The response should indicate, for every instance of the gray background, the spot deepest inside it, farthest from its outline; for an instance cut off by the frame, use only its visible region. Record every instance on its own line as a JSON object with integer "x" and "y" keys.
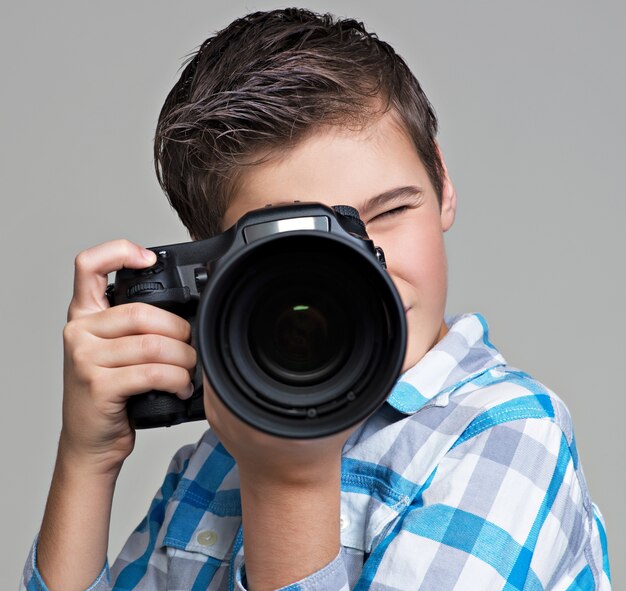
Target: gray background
{"x": 530, "y": 97}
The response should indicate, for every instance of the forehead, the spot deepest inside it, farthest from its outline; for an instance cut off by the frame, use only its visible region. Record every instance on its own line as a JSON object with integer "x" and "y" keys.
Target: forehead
{"x": 332, "y": 166}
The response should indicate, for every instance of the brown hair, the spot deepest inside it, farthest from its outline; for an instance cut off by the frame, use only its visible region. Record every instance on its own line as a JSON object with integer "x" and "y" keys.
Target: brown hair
{"x": 261, "y": 85}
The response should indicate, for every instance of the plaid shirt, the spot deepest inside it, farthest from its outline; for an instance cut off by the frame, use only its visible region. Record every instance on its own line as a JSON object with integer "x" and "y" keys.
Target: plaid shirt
{"x": 468, "y": 478}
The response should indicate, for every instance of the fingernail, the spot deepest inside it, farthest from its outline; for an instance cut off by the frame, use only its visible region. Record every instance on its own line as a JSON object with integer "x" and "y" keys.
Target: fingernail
{"x": 185, "y": 394}
{"x": 148, "y": 255}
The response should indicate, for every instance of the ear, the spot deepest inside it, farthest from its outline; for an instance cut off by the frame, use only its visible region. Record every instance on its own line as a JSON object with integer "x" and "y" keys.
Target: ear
{"x": 448, "y": 197}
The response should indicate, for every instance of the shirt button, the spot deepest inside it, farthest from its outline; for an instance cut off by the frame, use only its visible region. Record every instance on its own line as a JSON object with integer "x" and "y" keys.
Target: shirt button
{"x": 344, "y": 523}
{"x": 207, "y": 537}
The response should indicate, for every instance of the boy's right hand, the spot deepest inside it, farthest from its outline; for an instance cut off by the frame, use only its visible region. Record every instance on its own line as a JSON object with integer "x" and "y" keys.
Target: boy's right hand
{"x": 113, "y": 353}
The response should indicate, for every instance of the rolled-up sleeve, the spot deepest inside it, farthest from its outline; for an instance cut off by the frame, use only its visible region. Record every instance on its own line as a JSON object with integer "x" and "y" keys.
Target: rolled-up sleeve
{"x": 33, "y": 581}
{"x": 332, "y": 577}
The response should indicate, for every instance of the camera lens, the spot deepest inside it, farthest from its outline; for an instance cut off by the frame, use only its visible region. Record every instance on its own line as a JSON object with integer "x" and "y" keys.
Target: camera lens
{"x": 299, "y": 336}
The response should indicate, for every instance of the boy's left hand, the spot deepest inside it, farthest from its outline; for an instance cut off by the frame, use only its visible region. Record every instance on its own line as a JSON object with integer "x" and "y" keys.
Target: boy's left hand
{"x": 290, "y": 497}
{"x": 266, "y": 457}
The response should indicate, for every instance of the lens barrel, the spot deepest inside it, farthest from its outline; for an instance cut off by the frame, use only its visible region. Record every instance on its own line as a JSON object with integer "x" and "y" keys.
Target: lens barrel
{"x": 301, "y": 334}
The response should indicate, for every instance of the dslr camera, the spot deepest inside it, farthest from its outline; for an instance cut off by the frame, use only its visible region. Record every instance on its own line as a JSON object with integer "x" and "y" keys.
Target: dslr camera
{"x": 297, "y": 324}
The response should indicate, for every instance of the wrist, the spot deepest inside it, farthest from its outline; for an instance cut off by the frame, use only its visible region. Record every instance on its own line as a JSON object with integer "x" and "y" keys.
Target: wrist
{"x": 291, "y": 525}
{"x": 73, "y": 539}
{"x": 72, "y": 461}
{"x": 290, "y": 475}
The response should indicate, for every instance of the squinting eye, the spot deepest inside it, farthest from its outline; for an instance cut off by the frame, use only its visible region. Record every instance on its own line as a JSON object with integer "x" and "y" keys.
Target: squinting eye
{"x": 390, "y": 213}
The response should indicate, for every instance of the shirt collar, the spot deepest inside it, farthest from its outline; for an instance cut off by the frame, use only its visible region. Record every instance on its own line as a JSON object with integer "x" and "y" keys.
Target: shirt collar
{"x": 463, "y": 354}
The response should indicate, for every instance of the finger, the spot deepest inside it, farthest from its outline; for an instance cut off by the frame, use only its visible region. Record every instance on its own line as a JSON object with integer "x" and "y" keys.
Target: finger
{"x": 122, "y": 382}
{"x": 91, "y": 269}
{"x": 136, "y": 319}
{"x": 144, "y": 349}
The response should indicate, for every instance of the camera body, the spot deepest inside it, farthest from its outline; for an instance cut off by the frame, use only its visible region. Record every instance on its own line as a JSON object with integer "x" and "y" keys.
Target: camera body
{"x": 298, "y": 326}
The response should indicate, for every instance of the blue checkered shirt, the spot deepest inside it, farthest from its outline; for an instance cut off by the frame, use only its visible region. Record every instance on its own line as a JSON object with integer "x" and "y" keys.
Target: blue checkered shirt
{"x": 468, "y": 478}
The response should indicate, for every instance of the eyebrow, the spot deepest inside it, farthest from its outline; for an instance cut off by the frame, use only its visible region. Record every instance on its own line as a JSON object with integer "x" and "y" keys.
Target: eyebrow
{"x": 388, "y": 197}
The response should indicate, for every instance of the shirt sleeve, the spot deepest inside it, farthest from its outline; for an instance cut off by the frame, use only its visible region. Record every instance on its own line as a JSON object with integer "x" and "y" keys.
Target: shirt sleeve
{"x": 32, "y": 580}
{"x": 140, "y": 558}
{"x": 332, "y": 577}
{"x": 504, "y": 509}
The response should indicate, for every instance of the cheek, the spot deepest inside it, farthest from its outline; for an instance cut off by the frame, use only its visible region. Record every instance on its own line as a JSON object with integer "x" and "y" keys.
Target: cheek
{"x": 418, "y": 258}
{"x": 209, "y": 404}
{"x": 432, "y": 258}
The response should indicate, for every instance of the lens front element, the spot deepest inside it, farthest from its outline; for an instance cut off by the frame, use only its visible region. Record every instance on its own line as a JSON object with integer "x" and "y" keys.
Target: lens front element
{"x": 299, "y": 343}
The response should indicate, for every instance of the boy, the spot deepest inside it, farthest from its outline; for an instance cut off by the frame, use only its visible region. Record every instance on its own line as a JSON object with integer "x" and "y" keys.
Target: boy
{"x": 466, "y": 478}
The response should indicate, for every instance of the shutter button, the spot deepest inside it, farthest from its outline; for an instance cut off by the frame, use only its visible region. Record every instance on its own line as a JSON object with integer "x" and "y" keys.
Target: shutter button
{"x": 207, "y": 537}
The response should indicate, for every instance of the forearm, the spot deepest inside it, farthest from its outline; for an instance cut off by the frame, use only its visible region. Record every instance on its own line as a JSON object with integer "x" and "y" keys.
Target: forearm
{"x": 73, "y": 540}
{"x": 290, "y": 530}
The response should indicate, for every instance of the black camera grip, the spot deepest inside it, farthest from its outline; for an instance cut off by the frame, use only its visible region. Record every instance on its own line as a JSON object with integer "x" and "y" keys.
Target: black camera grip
{"x": 155, "y": 409}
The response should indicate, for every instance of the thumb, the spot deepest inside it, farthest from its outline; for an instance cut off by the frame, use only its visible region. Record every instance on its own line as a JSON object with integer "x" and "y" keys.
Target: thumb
{"x": 91, "y": 270}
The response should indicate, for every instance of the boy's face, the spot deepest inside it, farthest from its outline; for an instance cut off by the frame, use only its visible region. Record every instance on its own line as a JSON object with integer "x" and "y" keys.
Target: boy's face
{"x": 344, "y": 167}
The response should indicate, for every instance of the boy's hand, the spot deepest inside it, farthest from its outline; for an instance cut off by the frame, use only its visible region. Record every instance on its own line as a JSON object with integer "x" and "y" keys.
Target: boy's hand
{"x": 270, "y": 459}
{"x": 290, "y": 497}
{"x": 113, "y": 353}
